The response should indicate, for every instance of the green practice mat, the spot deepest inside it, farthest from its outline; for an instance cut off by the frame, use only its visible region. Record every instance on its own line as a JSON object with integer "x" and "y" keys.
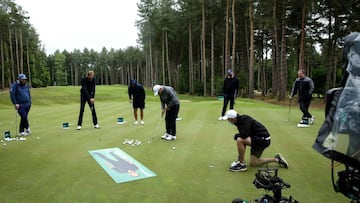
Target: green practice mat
{"x": 120, "y": 166}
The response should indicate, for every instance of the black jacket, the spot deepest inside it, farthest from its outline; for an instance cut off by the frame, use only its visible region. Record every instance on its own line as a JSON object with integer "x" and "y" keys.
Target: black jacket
{"x": 88, "y": 88}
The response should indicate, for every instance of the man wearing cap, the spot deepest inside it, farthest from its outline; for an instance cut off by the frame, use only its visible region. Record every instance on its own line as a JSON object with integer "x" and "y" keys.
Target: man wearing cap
{"x": 21, "y": 98}
{"x": 87, "y": 94}
{"x": 137, "y": 98}
{"x": 170, "y": 106}
{"x": 230, "y": 91}
{"x": 251, "y": 133}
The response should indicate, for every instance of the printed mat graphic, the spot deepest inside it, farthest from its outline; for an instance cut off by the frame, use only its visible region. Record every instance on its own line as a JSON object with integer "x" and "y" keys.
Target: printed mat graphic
{"x": 120, "y": 166}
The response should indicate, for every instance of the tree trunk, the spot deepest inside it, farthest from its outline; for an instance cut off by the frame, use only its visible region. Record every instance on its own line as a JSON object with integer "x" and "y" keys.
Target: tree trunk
{"x": 167, "y": 58}
{"x": 11, "y": 57}
{"x": 275, "y": 54}
{"x": 234, "y": 37}
{"x": 28, "y": 62}
{"x": 2, "y": 63}
{"x": 226, "y": 57}
{"x": 251, "y": 62}
{"x": 203, "y": 43}
{"x": 163, "y": 58}
{"x": 21, "y": 58}
{"x": 191, "y": 62}
{"x": 212, "y": 90}
{"x": 283, "y": 68}
{"x": 302, "y": 40}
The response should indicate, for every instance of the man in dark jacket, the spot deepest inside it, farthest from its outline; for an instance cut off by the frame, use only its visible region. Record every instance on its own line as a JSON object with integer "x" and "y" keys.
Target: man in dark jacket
{"x": 304, "y": 86}
{"x": 251, "y": 133}
{"x": 230, "y": 91}
{"x": 170, "y": 106}
{"x": 88, "y": 95}
{"x": 21, "y": 98}
{"x": 137, "y": 98}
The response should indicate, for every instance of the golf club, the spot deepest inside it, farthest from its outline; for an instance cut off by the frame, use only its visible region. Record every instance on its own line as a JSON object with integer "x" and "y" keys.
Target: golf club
{"x": 289, "y": 110}
{"x": 16, "y": 121}
{"x": 156, "y": 130}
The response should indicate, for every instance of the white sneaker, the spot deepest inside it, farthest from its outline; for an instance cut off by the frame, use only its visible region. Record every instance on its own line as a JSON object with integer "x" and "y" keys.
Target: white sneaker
{"x": 164, "y": 136}
{"x": 24, "y": 134}
{"x": 136, "y": 122}
{"x": 142, "y": 122}
{"x": 79, "y": 127}
{"x": 220, "y": 118}
{"x": 28, "y": 131}
{"x": 170, "y": 137}
{"x": 312, "y": 119}
{"x": 97, "y": 126}
{"x": 234, "y": 163}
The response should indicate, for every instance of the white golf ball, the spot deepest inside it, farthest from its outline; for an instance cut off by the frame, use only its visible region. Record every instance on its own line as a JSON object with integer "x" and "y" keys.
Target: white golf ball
{"x": 4, "y": 144}
{"x": 38, "y": 138}
{"x": 173, "y": 148}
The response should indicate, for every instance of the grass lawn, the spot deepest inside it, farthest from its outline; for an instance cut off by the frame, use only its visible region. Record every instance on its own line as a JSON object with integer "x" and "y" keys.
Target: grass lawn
{"x": 58, "y": 168}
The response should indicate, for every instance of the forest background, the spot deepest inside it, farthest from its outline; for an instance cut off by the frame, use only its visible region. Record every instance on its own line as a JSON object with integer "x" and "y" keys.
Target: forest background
{"x": 191, "y": 44}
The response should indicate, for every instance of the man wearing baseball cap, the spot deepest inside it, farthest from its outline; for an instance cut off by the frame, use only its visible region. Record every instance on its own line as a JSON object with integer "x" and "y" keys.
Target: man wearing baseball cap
{"x": 21, "y": 98}
{"x": 170, "y": 106}
{"x": 254, "y": 134}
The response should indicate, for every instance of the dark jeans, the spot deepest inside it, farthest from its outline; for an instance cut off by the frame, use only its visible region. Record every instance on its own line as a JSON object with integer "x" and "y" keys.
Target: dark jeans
{"x": 23, "y": 111}
{"x": 304, "y": 107}
{"x": 82, "y": 107}
{"x": 227, "y": 98}
{"x": 170, "y": 119}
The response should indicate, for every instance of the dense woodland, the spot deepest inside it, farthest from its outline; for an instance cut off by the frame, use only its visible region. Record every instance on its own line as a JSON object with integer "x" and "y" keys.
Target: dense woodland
{"x": 190, "y": 44}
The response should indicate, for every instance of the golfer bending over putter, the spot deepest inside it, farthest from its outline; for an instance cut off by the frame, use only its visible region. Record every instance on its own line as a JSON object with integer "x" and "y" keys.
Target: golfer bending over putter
{"x": 251, "y": 133}
{"x": 170, "y": 106}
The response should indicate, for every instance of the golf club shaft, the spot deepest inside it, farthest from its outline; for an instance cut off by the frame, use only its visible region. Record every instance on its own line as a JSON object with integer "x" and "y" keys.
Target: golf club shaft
{"x": 289, "y": 110}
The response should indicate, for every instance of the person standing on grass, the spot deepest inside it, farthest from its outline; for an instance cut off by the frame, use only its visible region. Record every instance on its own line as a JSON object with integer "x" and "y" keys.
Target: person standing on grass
{"x": 88, "y": 95}
{"x": 251, "y": 133}
{"x": 170, "y": 106}
{"x": 230, "y": 91}
{"x": 304, "y": 86}
{"x": 21, "y": 98}
{"x": 137, "y": 98}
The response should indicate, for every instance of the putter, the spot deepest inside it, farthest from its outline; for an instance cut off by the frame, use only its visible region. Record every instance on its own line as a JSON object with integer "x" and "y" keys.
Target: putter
{"x": 289, "y": 111}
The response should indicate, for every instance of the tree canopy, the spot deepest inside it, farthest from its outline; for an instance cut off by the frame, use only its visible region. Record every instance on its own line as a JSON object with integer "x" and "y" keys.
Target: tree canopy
{"x": 190, "y": 45}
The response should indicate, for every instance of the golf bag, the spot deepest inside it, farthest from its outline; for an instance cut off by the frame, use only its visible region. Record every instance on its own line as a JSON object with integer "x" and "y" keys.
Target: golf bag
{"x": 339, "y": 136}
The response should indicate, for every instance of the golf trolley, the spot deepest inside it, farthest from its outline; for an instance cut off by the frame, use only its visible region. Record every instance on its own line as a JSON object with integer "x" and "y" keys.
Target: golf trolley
{"x": 264, "y": 179}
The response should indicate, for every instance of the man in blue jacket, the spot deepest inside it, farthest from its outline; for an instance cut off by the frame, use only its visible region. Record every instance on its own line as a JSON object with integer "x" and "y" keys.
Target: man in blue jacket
{"x": 21, "y": 98}
{"x": 137, "y": 98}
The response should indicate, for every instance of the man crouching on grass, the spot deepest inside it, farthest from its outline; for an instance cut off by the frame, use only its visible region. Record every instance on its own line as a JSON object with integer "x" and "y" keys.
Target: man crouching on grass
{"x": 251, "y": 133}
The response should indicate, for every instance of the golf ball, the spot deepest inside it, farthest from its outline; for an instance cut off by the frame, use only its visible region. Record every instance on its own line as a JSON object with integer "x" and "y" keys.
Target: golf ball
{"x": 4, "y": 144}
{"x": 173, "y": 148}
{"x": 38, "y": 138}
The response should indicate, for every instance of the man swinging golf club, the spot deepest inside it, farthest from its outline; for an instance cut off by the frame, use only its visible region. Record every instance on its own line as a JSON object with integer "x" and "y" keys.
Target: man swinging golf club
{"x": 87, "y": 95}
{"x": 251, "y": 133}
{"x": 170, "y": 106}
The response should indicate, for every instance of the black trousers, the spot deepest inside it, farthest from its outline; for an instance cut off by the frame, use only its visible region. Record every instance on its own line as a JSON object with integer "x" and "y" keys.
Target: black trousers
{"x": 170, "y": 119}
{"x": 23, "y": 111}
{"x": 304, "y": 107}
{"x": 227, "y": 98}
{"x": 82, "y": 107}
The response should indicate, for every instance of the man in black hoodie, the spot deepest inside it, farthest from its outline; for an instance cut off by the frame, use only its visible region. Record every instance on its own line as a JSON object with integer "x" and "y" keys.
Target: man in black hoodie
{"x": 230, "y": 91}
{"x": 88, "y": 95}
{"x": 137, "y": 98}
